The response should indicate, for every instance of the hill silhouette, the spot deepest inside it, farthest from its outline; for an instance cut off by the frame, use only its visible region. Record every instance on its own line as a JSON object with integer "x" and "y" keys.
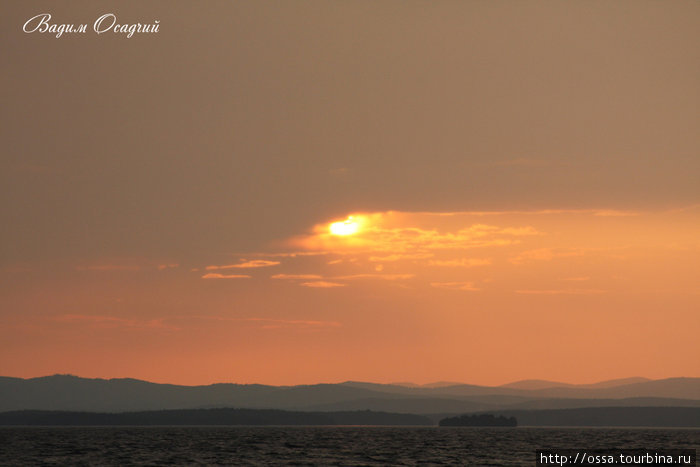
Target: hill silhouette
{"x": 479, "y": 420}
{"x": 71, "y": 393}
{"x": 543, "y": 384}
{"x": 591, "y": 416}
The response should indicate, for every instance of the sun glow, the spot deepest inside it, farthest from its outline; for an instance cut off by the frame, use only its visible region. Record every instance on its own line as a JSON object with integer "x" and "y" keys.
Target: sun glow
{"x": 347, "y": 227}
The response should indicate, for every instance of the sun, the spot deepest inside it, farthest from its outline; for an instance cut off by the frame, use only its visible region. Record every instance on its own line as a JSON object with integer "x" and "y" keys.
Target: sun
{"x": 347, "y": 227}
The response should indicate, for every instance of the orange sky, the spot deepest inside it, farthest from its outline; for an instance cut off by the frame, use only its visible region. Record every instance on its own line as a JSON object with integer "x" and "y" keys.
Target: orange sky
{"x": 306, "y": 192}
{"x": 484, "y": 297}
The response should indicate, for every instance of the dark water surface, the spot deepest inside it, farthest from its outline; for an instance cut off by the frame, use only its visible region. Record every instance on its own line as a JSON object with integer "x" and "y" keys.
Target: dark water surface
{"x": 316, "y": 445}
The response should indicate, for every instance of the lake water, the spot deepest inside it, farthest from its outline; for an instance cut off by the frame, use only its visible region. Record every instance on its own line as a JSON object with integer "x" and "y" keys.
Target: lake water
{"x": 316, "y": 445}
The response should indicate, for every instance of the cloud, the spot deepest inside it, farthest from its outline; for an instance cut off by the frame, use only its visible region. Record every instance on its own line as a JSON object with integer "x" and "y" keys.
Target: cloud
{"x": 289, "y": 254}
{"x": 436, "y": 248}
{"x": 256, "y": 263}
{"x": 125, "y": 264}
{"x": 321, "y": 284}
{"x": 546, "y": 254}
{"x": 519, "y": 231}
{"x": 614, "y": 213}
{"x": 109, "y": 267}
{"x": 112, "y": 321}
{"x": 296, "y": 276}
{"x": 410, "y": 234}
{"x": 269, "y": 323}
{"x": 400, "y": 257}
{"x": 541, "y": 212}
{"x": 386, "y": 277}
{"x": 468, "y": 286}
{"x": 214, "y": 275}
{"x": 562, "y": 292}
{"x": 462, "y": 262}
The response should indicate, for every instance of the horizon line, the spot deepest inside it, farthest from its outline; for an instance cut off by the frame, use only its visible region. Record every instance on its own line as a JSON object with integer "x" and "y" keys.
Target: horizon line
{"x": 442, "y": 383}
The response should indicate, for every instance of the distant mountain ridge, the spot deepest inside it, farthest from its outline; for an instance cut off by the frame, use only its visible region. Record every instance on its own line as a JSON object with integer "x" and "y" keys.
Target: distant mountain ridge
{"x": 72, "y": 393}
{"x": 682, "y": 388}
{"x": 528, "y": 383}
{"x": 543, "y": 384}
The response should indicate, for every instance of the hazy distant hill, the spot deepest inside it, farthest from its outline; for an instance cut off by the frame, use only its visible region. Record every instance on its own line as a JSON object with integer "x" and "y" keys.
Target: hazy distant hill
{"x": 441, "y": 384}
{"x": 681, "y": 388}
{"x": 534, "y": 384}
{"x": 419, "y": 405}
{"x": 428, "y": 406}
{"x": 437, "y": 384}
{"x": 63, "y": 392}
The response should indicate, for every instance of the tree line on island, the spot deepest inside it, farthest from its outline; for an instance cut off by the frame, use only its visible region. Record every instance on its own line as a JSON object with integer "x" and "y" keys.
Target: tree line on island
{"x": 479, "y": 420}
{"x": 588, "y": 416}
{"x": 228, "y": 416}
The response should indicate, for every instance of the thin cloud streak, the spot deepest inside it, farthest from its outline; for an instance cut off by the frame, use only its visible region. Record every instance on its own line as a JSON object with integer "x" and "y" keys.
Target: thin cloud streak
{"x": 216, "y": 275}
{"x": 562, "y": 292}
{"x": 462, "y": 262}
{"x": 322, "y": 284}
{"x": 545, "y": 254}
{"x": 296, "y": 276}
{"x": 400, "y": 257}
{"x": 539, "y": 212}
{"x": 112, "y": 321}
{"x": 256, "y": 263}
{"x": 385, "y": 277}
{"x": 109, "y": 267}
{"x": 270, "y": 323}
{"x": 467, "y": 286}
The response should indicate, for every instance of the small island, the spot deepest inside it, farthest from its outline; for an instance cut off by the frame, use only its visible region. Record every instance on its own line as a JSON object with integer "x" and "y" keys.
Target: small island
{"x": 479, "y": 420}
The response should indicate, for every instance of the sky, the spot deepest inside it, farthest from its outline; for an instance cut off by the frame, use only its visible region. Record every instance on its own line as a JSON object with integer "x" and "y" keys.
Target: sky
{"x": 309, "y": 191}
